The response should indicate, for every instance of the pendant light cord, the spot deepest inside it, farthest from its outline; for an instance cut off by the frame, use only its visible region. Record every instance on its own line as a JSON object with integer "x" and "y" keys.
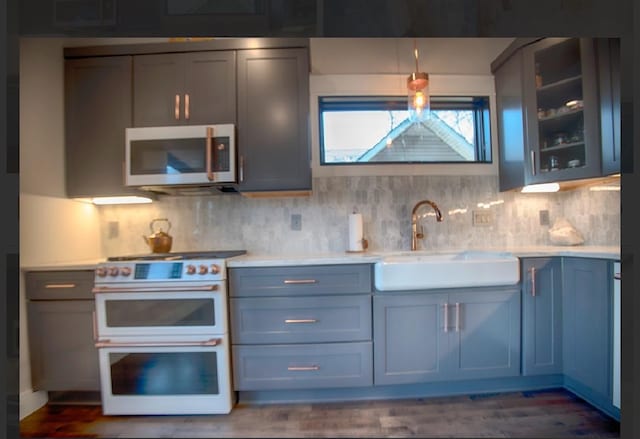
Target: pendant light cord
{"x": 415, "y": 53}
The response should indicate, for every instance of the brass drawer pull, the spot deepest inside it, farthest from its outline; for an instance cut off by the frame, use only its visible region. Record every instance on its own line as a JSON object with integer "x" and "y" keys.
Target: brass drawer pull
{"x": 301, "y": 368}
{"x": 300, "y": 281}
{"x": 70, "y": 285}
{"x": 301, "y": 321}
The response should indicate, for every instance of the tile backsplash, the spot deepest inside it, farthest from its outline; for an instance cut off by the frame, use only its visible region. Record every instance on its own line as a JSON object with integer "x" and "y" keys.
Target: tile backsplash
{"x": 231, "y": 221}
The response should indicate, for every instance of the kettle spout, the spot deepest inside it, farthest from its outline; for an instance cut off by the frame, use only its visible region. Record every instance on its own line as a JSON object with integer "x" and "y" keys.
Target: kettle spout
{"x": 146, "y": 239}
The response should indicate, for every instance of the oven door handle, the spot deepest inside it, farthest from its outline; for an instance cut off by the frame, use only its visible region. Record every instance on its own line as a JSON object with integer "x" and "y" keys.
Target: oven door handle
{"x": 126, "y": 344}
{"x": 152, "y": 289}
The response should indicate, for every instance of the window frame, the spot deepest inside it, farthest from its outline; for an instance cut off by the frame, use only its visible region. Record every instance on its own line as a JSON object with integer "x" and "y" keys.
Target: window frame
{"x": 479, "y": 105}
{"x": 395, "y": 85}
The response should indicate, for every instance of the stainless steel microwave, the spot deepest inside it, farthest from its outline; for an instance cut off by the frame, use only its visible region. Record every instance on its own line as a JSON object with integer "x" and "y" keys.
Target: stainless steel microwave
{"x": 180, "y": 155}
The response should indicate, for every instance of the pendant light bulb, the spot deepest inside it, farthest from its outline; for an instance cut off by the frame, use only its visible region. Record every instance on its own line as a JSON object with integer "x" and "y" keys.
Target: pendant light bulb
{"x": 418, "y": 92}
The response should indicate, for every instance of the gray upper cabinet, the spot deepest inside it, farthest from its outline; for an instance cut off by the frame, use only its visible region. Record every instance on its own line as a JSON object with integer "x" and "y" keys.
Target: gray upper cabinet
{"x": 541, "y": 316}
{"x": 558, "y": 110}
{"x": 562, "y": 110}
{"x": 461, "y": 334}
{"x": 608, "y": 55}
{"x": 587, "y": 328}
{"x": 510, "y": 117}
{"x": 97, "y": 111}
{"x": 273, "y": 120}
{"x": 191, "y": 88}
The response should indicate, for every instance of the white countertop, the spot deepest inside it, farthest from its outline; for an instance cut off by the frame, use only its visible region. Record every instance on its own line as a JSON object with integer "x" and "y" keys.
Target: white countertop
{"x": 273, "y": 260}
{"x": 90, "y": 264}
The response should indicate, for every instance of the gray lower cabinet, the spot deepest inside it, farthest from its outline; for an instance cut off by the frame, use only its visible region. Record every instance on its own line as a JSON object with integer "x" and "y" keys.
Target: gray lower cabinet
{"x": 587, "y": 327}
{"x": 274, "y": 150}
{"x": 446, "y": 335}
{"x": 541, "y": 316}
{"x": 60, "y": 323}
{"x": 97, "y": 111}
{"x": 301, "y": 327}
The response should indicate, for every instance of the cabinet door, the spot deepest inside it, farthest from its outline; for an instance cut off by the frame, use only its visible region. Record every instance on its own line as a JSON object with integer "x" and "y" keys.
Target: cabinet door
{"x": 485, "y": 339}
{"x": 608, "y": 54}
{"x": 541, "y": 316}
{"x": 210, "y": 88}
{"x": 158, "y": 90}
{"x": 97, "y": 111}
{"x": 510, "y": 118}
{"x": 63, "y": 355}
{"x": 273, "y": 118}
{"x": 587, "y": 309}
{"x": 410, "y": 340}
{"x": 562, "y": 110}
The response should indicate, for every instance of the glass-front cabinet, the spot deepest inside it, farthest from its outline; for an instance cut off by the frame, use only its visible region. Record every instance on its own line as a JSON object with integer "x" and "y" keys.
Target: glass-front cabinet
{"x": 562, "y": 110}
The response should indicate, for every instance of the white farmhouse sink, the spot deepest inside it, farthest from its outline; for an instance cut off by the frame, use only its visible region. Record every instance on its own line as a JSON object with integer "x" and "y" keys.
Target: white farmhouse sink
{"x": 421, "y": 270}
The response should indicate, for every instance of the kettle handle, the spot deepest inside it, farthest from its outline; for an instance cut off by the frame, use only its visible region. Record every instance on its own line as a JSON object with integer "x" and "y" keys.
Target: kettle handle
{"x": 160, "y": 219}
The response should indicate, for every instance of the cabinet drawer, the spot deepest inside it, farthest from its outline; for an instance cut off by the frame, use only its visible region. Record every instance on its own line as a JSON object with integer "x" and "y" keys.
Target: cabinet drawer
{"x": 300, "y": 280}
{"x": 49, "y": 285}
{"x": 305, "y": 366}
{"x": 267, "y": 320}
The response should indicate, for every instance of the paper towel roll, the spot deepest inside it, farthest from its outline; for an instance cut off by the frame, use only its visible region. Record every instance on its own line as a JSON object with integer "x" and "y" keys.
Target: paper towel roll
{"x": 356, "y": 232}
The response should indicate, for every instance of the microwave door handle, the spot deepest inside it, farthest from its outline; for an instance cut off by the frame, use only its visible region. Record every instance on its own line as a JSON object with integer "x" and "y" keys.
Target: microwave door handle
{"x": 210, "y": 155}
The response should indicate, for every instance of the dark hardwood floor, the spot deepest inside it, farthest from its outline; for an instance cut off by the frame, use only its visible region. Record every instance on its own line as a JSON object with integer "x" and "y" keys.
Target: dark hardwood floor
{"x": 554, "y": 413}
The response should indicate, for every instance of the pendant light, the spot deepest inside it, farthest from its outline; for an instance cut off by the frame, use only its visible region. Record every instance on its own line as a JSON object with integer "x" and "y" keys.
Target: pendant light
{"x": 418, "y": 92}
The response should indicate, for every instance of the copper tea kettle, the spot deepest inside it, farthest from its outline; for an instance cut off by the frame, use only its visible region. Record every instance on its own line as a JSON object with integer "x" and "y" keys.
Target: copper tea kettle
{"x": 159, "y": 241}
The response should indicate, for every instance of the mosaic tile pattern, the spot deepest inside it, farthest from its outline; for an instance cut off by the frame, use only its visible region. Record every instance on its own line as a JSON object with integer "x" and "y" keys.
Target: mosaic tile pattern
{"x": 231, "y": 221}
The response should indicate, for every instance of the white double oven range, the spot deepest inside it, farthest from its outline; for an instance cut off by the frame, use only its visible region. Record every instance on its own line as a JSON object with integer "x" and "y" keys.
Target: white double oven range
{"x": 161, "y": 330}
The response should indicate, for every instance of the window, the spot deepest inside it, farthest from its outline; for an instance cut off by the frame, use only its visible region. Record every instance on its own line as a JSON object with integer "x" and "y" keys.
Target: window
{"x": 376, "y": 130}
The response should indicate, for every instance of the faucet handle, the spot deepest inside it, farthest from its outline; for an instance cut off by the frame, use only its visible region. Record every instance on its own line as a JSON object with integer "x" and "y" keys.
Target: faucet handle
{"x": 420, "y": 233}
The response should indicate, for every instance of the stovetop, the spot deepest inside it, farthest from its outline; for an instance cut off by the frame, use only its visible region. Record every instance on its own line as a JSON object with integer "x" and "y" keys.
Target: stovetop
{"x": 179, "y": 256}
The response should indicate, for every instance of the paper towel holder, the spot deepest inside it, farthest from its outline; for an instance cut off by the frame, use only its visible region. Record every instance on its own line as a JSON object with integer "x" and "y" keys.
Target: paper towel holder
{"x": 365, "y": 246}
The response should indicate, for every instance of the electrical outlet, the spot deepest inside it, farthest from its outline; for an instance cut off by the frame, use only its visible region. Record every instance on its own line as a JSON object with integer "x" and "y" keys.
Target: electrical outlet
{"x": 296, "y": 221}
{"x": 113, "y": 229}
{"x": 544, "y": 217}
{"x": 482, "y": 218}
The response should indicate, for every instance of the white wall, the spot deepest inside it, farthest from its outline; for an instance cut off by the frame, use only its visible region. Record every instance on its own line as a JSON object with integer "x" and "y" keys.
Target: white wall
{"x": 53, "y": 228}
{"x": 443, "y": 56}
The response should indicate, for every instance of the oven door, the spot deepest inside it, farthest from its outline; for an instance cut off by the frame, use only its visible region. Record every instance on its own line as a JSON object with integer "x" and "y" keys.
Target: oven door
{"x": 195, "y": 154}
{"x": 191, "y": 377}
{"x": 125, "y": 314}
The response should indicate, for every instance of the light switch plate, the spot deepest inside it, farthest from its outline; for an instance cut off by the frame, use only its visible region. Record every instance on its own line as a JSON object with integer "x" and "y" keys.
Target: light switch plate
{"x": 544, "y": 217}
{"x": 482, "y": 218}
{"x": 296, "y": 221}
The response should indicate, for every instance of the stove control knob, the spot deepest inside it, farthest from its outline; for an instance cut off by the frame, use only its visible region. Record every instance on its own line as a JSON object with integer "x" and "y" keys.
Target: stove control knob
{"x": 113, "y": 271}
{"x": 101, "y": 271}
{"x": 203, "y": 269}
{"x": 125, "y": 271}
{"x": 215, "y": 269}
{"x": 191, "y": 269}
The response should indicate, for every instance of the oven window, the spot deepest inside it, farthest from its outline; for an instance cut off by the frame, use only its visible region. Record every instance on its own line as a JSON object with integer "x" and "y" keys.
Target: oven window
{"x": 161, "y": 312}
{"x": 164, "y": 373}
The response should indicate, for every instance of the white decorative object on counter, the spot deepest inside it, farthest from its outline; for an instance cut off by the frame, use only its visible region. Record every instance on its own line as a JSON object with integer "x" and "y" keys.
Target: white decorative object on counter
{"x": 563, "y": 233}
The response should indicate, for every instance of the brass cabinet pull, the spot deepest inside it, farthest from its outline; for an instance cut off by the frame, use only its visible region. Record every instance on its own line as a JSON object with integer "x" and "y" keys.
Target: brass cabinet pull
{"x": 533, "y": 162}
{"x": 125, "y": 344}
{"x": 69, "y": 285}
{"x": 176, "y": 107}
{"x": 457, "y": 317}
{"x": 186, "y": 106}
{"x": 446, "y": 317}
{"x": 301, "y": 321}
{"x": 298, "y": 368}
{"x": 300, "y": 281}
{"x": 532, "y": 274}
{"x": 210, "y": 155}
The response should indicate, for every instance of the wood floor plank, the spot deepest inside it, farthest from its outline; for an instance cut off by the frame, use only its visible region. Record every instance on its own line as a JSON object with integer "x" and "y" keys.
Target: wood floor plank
{"x": 554, "y": 413}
